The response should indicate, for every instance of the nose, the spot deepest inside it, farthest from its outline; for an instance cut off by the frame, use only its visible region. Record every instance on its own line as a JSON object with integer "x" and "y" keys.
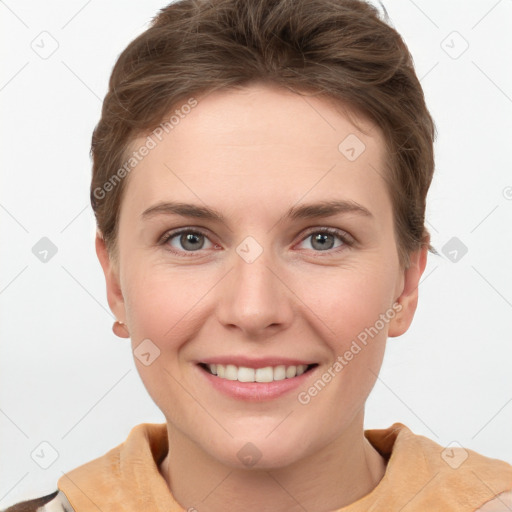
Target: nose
{"x": 254, "y": 297}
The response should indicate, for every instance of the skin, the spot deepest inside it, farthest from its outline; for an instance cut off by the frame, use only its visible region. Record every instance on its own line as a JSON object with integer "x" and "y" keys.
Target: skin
{"x": 252, "y": 154}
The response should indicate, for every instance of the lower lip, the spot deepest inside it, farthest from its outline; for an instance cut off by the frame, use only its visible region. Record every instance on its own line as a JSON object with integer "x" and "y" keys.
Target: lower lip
{"x": 255, "y": 391}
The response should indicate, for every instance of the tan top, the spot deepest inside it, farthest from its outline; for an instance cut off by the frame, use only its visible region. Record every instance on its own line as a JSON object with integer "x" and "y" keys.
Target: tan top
{"x": 420, "y": 476}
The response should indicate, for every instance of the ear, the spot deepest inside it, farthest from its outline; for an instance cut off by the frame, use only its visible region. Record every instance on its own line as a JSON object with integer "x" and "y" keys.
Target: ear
{"x": 110, "y": 269}
{"x": 408, "y": 299}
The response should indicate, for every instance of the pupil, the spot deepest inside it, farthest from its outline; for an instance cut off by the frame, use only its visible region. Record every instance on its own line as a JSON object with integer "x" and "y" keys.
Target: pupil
{"x": 192, "y": 239}
{"x": 321, "y": 239}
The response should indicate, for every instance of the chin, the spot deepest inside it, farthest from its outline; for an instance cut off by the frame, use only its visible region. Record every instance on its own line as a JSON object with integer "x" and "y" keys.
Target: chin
{"x": 258, "y": 451}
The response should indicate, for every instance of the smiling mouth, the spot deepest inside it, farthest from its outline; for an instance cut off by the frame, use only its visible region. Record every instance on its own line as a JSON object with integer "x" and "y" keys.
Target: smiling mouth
{"x": 262, "y": 375}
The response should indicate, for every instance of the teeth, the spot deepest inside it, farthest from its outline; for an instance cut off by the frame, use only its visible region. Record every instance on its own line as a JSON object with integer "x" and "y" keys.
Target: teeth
{"x": 267, "y": 374}
{"x": 291, "y": 371}
{"x": 264, "y": 374}
{"x": 301, "y": 369}
{"x": 245, "y": 374}
{"x": 280, "y": 372}
{"x": 231, "y": 372}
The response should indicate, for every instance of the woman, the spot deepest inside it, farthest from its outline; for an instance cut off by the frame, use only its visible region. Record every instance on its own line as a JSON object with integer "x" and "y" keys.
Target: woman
{"x": 259, "y": 183}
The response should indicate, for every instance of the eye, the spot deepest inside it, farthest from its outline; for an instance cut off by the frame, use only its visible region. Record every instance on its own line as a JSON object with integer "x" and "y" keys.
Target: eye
{"x": 186, "y": 241}
{"x": 324, "y": 239}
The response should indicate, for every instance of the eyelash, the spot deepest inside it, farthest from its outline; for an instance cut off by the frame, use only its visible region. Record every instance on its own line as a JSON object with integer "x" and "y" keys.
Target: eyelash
{"x": 347, "y": 240}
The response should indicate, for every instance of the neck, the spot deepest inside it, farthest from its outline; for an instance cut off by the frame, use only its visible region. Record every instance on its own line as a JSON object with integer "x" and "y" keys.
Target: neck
{"x": 335, "y": 476}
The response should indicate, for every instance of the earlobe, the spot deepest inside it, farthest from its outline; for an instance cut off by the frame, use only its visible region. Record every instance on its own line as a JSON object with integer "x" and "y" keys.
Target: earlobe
{"x": 114, "y": 293}
{"x": 408, "y": 299}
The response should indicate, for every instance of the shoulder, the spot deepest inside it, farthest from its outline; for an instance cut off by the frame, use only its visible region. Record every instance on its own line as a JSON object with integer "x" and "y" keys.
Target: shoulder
{"x": 54, "y": 502}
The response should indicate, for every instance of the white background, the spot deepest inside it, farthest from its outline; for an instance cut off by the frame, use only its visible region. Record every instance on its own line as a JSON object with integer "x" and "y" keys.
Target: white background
{"x": 68, "y": 381}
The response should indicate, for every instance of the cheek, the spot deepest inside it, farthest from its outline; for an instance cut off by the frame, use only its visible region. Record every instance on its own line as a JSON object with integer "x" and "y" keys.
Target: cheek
{"x": 166, "y": 306}
{"x": 357, "y": 311}
{"x": 163, "y": 306}
{"x": 354, "y": 300}
{"x": 162, "y": 303}
{"x": 353, "y": 311}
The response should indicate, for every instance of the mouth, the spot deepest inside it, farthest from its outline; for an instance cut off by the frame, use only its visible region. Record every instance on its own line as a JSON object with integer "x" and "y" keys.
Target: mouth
{"x": 258, "y": 375}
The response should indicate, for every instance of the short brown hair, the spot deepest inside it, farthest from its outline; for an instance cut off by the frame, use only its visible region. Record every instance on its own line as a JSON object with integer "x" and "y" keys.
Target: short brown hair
{"x": 339, "y": 49}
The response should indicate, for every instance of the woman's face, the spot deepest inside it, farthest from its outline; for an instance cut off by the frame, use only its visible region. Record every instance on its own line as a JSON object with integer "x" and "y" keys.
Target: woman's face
{"x": 261, "y": 283}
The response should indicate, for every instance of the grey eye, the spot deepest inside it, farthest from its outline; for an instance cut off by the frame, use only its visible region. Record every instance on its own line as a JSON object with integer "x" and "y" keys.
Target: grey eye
{"x": 188, "y": 241}
{"x": 323, "y": 241}
{"x": 192, "y": 241}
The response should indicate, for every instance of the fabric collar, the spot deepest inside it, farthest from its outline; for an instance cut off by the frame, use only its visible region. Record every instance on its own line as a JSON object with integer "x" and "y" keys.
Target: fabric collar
{"x": 420, "y": 475}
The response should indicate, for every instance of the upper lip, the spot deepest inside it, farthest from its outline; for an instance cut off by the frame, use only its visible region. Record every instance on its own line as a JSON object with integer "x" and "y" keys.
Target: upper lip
{"x": 260, "y": 362}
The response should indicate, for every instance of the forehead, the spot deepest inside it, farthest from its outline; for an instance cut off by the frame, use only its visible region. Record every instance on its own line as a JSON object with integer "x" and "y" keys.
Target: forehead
{"x": 258, "y": 141}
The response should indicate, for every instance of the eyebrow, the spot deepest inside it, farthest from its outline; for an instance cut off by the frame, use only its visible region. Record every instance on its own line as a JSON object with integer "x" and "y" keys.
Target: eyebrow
{"x": 304, "y": 211}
